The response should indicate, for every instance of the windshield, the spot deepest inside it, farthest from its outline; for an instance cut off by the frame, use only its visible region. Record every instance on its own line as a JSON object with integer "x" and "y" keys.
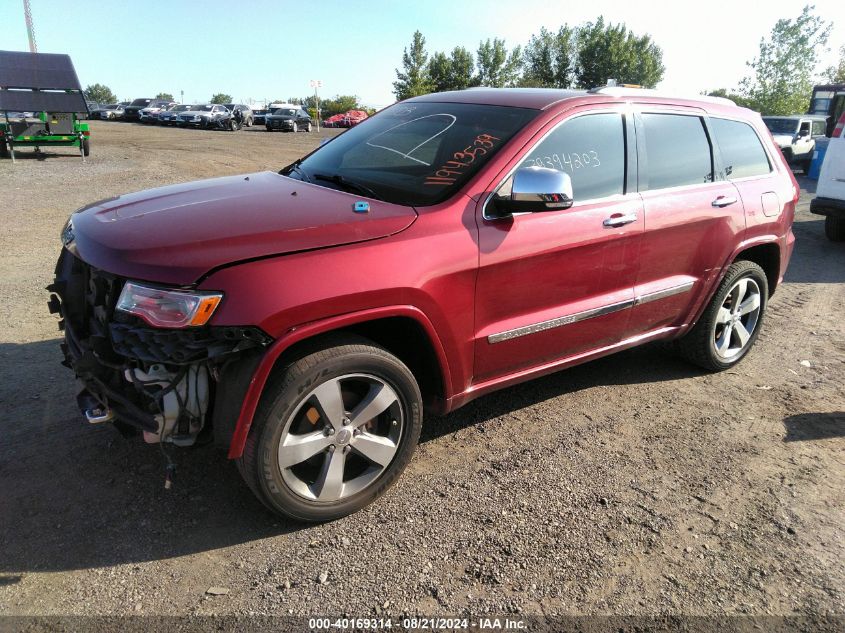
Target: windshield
{"x": 203, "y": 108}
{"x": 284, "y": 112}
{"x": 414, "y": 153}
{"x": 141, "y": 102}
{"x": 781, "y": 126}
{"x": 111, "y": 106}
{"x": 181, "y": 108}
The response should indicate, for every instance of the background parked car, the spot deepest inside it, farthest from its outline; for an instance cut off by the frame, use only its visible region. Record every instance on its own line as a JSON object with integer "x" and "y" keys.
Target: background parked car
{"x": 171, "y": 115}
{"x": 346, "y": 119}
{"x": 151, "y": 112}
{"x": 290, "y": 118}
{"x": 204, "y": 115}
{"x": 246, "y": 112}
{"x": 131, "y": 112}
{"x": 258, "y": 115}
{"x": 830, "y": 192}
{"x": 796, "y": 136}
{"x": 110, "y": 112}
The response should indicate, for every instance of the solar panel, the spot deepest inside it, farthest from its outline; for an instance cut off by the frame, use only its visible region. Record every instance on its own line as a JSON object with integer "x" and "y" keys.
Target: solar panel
{"x": 39, "y": 101}
{"x": 40, "y": 71}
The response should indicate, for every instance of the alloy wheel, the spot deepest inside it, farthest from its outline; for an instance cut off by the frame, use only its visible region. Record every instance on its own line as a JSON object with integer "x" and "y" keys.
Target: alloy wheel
{"x": 737, "y": 319}
{"x": 341, "y": 437}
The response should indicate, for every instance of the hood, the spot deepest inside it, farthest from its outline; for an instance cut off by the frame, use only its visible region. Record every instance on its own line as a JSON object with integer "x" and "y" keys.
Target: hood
{"x": 783, "y": 140}
{"x": 176, "y": 234}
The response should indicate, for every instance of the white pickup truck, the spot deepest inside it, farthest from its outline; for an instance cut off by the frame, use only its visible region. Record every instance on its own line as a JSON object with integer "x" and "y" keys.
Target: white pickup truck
{"x": 830, "y": 192}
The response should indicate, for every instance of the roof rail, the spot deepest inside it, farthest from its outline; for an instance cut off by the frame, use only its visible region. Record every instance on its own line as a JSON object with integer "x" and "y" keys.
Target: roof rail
{"x": 618, "y": 91}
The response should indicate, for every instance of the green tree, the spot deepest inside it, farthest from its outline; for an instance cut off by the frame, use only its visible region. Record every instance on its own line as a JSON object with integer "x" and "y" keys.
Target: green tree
{"x": 221, "y": 97}
{"x": 339, "y": 105}
{"x": 548, "y": 60}
{"x": 495, "y": 67}
{"x": 166, "y": 96}
{"x": 453, "y": 72}
{"x": 836, "y": 74}
{"x": 781, "y": 78}
{"x": 99, "y": 93}
{"x": 414, "y": 79}
{"x": 608, "y": 51}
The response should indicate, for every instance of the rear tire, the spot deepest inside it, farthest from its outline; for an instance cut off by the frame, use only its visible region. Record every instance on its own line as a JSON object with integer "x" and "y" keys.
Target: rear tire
{"x": 834, "y": 228}
{"x": 357, "y": 406}
{"x": 732, "y": 320}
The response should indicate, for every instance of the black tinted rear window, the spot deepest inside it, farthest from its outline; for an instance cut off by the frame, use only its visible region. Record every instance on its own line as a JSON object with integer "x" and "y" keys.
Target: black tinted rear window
{"x": 742, "y": 153}
{"x": 677, "y": 151}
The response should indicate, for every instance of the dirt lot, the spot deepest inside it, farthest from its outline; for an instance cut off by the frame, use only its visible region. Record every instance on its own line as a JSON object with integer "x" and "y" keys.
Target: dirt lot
{"x": 631, "y": 485}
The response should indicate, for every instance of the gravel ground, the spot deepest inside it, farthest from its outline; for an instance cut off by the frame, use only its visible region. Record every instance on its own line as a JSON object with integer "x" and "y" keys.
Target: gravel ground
{"x": 632, "y": 485}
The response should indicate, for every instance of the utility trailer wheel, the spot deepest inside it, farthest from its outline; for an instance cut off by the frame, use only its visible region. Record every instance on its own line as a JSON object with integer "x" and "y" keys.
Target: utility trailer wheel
{"x": 86, "y": 147}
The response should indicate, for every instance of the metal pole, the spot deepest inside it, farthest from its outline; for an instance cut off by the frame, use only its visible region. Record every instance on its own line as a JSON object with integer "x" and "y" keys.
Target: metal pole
{"x": 317, "y": 102}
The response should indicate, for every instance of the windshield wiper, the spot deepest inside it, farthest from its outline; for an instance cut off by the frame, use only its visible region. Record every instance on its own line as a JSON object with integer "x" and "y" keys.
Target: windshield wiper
{"x": 348, "y": 185}
{"x": 294, "y": 167}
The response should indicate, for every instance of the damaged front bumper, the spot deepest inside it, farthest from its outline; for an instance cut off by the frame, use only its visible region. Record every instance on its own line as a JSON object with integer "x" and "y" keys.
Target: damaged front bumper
{"x": 168, "y": 383}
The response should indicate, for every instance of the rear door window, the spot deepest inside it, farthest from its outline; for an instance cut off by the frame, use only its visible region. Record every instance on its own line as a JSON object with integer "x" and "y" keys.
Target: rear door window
{"x": 677, "y": 152}
{"x": 742, "y": 152}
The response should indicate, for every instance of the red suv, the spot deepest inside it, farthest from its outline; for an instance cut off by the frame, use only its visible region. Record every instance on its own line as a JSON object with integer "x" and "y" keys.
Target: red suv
{"x": 451, "y": 245}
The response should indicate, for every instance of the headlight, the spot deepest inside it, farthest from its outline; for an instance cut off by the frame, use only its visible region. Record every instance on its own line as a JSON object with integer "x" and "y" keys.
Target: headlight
{"x": 168, "y": 308}
{"x": 67, "y": 235}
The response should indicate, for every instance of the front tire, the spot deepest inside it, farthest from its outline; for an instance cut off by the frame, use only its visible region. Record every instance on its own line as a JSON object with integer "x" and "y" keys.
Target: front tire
{"x": 333, "y": 431}
{"x": 732, "y": 320}
{"x": 295, "y": 128}
{"x": 834, "y": 228}
{"x": 308, "y": 127}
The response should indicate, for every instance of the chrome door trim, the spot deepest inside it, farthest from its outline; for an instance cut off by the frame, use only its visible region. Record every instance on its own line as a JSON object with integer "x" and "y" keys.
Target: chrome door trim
{"x": 569, "y": 319}
{"x": 662, "y": 294}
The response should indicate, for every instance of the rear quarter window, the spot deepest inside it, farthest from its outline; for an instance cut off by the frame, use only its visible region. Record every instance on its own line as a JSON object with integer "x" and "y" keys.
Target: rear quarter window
{"x": 742, "y": 152}
{"x": 677, "y": 151}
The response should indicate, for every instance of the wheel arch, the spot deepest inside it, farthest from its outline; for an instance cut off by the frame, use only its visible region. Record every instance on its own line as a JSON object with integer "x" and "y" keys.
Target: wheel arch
{"x": 767, "y": 256}
{"x": 402, "y": 330}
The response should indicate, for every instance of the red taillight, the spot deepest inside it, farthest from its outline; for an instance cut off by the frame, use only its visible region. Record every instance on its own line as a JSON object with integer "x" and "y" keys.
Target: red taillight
{"x": 86, "y": 133}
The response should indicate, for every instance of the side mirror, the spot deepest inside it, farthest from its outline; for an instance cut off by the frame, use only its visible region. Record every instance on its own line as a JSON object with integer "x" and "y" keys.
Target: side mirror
{"x": 536, "y": 189}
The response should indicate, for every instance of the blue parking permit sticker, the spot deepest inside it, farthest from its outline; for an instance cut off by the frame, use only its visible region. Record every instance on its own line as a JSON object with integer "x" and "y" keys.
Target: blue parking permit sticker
{"x": 361, "y": 207}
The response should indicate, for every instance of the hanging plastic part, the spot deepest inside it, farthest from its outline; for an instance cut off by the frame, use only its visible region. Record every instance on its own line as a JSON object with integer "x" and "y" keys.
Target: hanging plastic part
{"x": 168, "y": 475}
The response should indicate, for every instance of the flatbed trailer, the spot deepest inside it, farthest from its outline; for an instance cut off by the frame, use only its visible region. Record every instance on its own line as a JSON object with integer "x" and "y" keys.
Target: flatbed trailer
{"x": 46, "y": 84}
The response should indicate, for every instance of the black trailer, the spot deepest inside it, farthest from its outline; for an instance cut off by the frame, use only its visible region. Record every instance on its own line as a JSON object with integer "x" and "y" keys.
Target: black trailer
{"x": 41, "y": 102}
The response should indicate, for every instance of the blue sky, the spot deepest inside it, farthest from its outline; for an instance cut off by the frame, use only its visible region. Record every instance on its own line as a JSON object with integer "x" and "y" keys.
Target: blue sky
{"x": 271, "y": 49}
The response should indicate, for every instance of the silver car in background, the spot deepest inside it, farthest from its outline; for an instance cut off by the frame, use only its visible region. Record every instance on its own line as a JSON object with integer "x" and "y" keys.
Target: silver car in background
{"x": 206, "y": 115}
{"x": 171, "y": 115}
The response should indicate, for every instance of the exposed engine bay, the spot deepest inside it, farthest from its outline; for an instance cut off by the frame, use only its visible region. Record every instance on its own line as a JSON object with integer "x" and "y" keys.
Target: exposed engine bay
{"x": 162, "y": 382}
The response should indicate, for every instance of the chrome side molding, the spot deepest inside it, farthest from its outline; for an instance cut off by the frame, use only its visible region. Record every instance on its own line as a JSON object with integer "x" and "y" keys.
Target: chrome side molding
{"x": 569, "y": 319}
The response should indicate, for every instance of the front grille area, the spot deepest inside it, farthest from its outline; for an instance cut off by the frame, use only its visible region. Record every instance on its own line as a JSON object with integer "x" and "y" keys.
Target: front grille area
{"x": 101, "y": 344}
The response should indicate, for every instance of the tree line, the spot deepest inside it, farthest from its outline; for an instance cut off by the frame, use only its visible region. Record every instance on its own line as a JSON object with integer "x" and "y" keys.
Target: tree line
{"x": 781, "y": 77}
{"x": 583, "y": 56}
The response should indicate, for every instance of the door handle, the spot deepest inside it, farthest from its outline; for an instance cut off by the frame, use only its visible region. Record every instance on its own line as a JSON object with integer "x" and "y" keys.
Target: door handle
{"x": 620, "y": 220}
{"x": 724, "y": 201}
